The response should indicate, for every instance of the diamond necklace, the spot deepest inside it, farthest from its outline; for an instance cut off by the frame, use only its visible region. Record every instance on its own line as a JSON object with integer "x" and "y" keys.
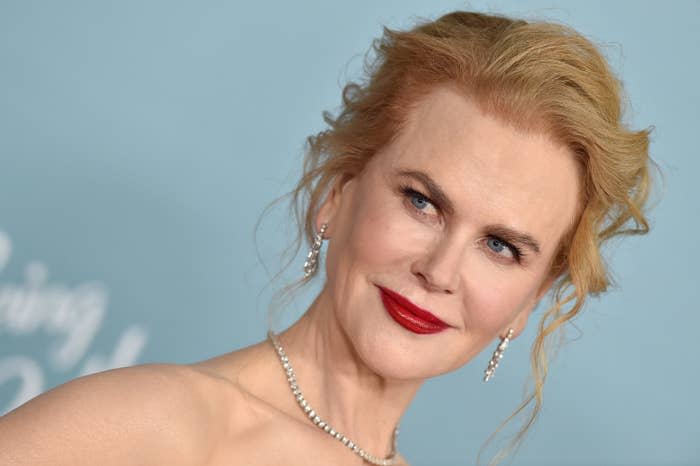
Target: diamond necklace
{"x": 316, "y": 419}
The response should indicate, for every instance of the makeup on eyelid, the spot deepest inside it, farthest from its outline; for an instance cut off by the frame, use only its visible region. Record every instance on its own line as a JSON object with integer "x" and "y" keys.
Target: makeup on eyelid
{"x": 428, "y": 218}
{"x": 409, "y": 192}
{"x": 439, "y": 199}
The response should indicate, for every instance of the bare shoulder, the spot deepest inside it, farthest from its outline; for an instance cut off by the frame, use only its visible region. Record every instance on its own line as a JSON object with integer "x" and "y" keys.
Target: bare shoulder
{"x": 165, "y": 412}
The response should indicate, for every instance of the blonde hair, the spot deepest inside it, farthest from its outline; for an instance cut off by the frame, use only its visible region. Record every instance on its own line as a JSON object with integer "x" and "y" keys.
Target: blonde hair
{"x": 538, "y": 76}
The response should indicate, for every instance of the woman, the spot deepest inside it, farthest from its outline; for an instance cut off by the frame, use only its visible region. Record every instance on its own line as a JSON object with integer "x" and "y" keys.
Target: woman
{"x": 481, "y": 164}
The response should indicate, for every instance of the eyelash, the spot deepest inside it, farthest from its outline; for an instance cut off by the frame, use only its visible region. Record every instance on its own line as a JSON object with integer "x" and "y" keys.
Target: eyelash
{"x": 409, "y": 192}
{"x": 516, "y": 251}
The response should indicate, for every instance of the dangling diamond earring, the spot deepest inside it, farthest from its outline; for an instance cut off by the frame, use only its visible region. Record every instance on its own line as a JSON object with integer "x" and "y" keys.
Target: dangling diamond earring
{"x": 497, "y": 355}
{"x": 311, "y": 262}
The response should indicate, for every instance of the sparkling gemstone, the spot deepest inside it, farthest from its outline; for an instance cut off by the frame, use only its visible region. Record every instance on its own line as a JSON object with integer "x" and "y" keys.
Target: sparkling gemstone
{"x": 327, "y": 428}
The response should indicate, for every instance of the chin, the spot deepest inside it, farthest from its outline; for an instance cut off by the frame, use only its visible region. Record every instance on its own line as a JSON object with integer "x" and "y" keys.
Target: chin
{"x": 390, "y": 349}
{"x": 396, "y": 354}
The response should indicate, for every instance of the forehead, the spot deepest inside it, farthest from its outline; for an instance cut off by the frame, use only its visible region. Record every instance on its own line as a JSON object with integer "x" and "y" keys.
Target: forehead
{"x": 490, "y": 170}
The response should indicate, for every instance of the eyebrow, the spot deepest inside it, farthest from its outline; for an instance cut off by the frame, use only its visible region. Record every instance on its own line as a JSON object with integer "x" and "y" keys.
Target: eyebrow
{"x": 514, "y": 236}
{"x": 435, "y": 192}
{"x": 438, "y": 196}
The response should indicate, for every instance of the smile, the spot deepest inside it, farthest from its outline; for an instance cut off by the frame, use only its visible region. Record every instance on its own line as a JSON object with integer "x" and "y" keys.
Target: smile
{"x": 408, "y": 315}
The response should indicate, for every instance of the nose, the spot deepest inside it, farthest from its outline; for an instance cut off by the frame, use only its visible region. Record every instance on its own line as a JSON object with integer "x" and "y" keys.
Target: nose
{"x": 439, "y": 269}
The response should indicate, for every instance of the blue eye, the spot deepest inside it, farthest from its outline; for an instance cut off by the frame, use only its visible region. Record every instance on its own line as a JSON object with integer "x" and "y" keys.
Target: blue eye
{"x": 419, "y": 201}
{"x": 497, "y": 245}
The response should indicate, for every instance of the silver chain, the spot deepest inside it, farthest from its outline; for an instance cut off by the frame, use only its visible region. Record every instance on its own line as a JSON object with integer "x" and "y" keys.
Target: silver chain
{"x": 316, "y": 419}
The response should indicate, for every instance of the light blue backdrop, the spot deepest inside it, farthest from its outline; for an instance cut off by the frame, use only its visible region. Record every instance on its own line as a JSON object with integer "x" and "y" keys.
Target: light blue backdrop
{"x": 139, "y": 142}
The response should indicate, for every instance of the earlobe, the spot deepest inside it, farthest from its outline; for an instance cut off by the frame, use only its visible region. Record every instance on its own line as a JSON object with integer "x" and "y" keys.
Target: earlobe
{"x": 329, "y": 208}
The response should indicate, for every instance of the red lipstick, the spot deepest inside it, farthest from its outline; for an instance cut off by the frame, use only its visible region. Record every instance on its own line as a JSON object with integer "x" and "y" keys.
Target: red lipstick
{"x": 408, "y": 315}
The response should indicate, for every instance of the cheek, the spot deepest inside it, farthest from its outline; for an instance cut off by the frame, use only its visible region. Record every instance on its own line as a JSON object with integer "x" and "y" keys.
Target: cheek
{"x": 384, "y": 236}
{"x": 376, "y": 237}
{"x": 493, "y": 304}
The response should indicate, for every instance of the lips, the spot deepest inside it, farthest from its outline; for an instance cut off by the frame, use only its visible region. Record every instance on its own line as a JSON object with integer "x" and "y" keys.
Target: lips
{"x": 410, "y": 316}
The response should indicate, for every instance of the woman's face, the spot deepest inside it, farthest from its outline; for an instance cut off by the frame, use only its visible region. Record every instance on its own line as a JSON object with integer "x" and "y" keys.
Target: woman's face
{"x": 460, "y": 215}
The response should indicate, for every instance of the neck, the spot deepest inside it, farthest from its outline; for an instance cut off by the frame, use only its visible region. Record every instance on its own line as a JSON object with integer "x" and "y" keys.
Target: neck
{"x": 346, "y": 393}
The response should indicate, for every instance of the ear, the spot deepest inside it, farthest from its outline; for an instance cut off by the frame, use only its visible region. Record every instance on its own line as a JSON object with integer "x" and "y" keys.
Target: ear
{"x": 328, "y": 210}
{"x": 518, "y": 324}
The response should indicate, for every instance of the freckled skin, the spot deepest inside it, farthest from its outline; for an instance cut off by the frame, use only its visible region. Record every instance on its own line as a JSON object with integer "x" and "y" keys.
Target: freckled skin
{"x": 492, "y": 173}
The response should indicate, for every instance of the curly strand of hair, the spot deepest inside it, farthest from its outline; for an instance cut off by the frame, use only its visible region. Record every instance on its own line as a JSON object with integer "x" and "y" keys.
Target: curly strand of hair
{"x": 539, "y": 76}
